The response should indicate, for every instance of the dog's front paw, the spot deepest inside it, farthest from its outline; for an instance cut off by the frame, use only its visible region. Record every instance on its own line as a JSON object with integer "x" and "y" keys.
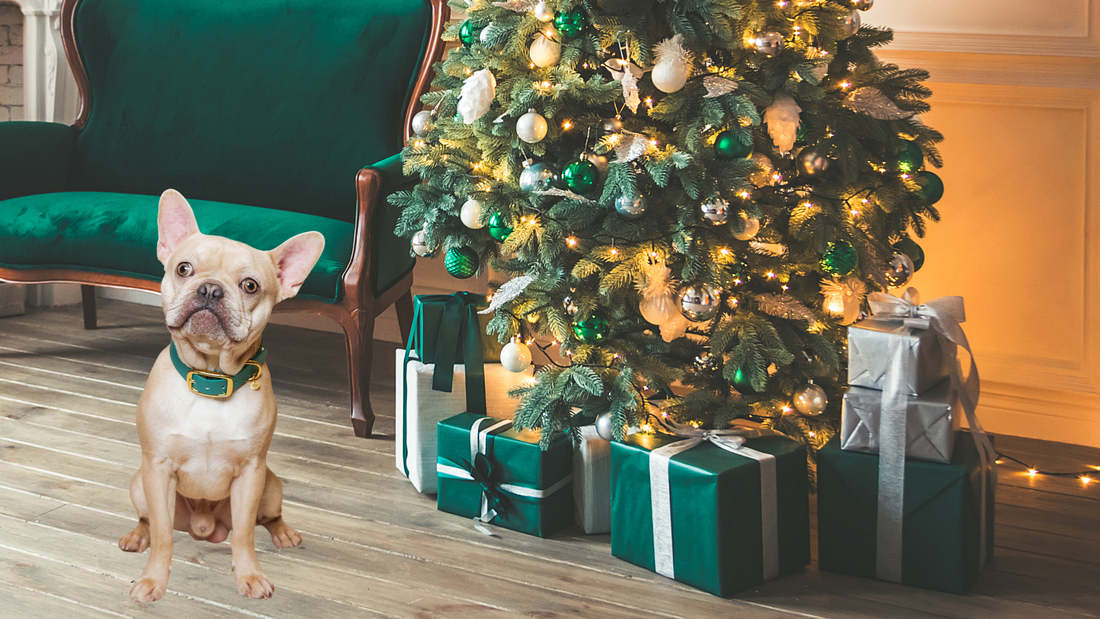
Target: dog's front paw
{"x": 255, "y": 585}
{"x": 148, "y": 589}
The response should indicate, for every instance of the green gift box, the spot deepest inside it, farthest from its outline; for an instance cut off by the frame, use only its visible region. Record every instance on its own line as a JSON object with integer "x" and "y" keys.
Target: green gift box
{"x": 495, "y": 474}
{"x": 721, "y": 541}
{"x": 439, "y": 322}
{"x": 941, "y": 528}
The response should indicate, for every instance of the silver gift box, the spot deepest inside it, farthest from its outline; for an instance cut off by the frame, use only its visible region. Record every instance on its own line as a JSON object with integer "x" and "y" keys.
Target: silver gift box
{"x": 870, "y": 346}
{"x": 592, "y": 482}
{"x": 930, "y": 422}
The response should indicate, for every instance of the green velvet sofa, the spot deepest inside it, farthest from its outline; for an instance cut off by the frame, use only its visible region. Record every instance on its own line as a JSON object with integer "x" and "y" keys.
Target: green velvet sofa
{"x": 272, "y": 117}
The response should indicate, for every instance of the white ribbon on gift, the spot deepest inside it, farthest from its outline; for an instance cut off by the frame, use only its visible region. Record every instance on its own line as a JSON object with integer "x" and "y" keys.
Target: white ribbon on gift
{"x": 732, "y": 440}
{"x": 479, "y": 443}
{"x": 942, "y": 316}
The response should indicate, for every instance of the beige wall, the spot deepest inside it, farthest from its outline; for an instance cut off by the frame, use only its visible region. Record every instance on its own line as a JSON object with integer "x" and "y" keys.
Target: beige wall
{"x": 11, "y": 62}
{"x": 1017, "y": 88}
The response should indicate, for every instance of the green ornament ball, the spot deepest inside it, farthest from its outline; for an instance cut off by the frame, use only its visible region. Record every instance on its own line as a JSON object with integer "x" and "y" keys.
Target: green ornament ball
{"x": 469, "y": 32}
{"x": 499, "y": 228}
{"x": 570, "y": 23}
{"x": 461, "y": 262}
{"x": 800, "y": 133}
{"x": 910, "y": 248}
{"x": 580, "y": 176}
{"x": 727, "y": 146}
{"x": 592, "y": 329}
{"x": 742, "y": 383}
{"x": 839, "y": 258}
{"x": 910, "y": 159}
{"x": 931, "y": 188}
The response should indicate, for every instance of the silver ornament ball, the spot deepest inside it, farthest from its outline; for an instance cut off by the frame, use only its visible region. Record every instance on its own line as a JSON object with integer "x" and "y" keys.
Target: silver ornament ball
{"x": 600, "y": 161}
{"x": 420, "y": 244}
{"x": 612, "y": 125}
{"x": 699, "y": 303}
{"x": 768, "y": 43}
{"x": 850, "y": 23}
{"x": 422, "y": 123}
{"x": 603, "y": 427}
{"x": 812, "y": 163}
{"x": 631, "y": 207}
{"x": 899, "y": 270}
{"x": 537, "y": 176}
{"x": 716, "y": 211}
{"x": 810, "y": 400}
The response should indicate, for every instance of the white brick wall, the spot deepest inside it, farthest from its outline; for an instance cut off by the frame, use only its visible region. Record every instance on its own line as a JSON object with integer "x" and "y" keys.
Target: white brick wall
{"x": 11, "y": 62}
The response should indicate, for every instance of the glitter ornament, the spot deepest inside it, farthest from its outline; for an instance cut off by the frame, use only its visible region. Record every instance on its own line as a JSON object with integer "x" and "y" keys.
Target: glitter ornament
{"x": 699, "y": 303}
{"x": 471, "y": 214}
{"x": 499, "y": 228}
{"x": 570, "y": 23}
{"x": 537, "y": 176}
{"x": 461, "y": 262}
{"x": 531, "y": 127}
{"x": 809, "y": 399}
{"x": 839, "y": 258}
{"x": 716, "y": 211}
{"x": 631, "y": 207}
{"x": 592, "y": 329}
{"x": 899, "y": 271}
{"x": 910, "y": 159}
{"x": 422, "y": 123}
{"x": 706, "y": 362}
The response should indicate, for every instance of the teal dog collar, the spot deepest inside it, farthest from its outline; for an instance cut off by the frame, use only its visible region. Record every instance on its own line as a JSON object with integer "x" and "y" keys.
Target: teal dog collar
{"x": 216, "y": 384}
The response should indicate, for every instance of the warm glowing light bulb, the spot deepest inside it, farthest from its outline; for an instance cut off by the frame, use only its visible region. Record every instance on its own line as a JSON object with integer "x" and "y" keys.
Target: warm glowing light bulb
{"x": 770, "y": 275}
{"x": 854, "y": 212}
{"x": 653, "y": 142}
{"x": 572, "y": 241}
{"x": 1085, "y": 479}
{"x": 812, "y": 434}
{"x": 724, "y": 251}
{"x": 546, "y": 84}
{"x": 567, "y": 125}
{"x": 614, "y": 252}
{"x": 846, "y": 85}
{"x": 1033, "y": 472}
{"x": 787, "y": 409}
{"x": 744, "y": 195}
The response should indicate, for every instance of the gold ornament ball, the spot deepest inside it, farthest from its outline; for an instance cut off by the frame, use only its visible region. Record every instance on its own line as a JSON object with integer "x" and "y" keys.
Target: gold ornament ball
{"x": 810, "y": 400}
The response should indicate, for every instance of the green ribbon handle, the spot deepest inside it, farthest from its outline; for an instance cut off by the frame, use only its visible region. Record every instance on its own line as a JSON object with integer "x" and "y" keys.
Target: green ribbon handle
{"x": 459, "y": 322}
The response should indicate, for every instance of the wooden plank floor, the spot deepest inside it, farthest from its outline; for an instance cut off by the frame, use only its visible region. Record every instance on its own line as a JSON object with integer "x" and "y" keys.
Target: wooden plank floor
{"x": 373, "y": 546}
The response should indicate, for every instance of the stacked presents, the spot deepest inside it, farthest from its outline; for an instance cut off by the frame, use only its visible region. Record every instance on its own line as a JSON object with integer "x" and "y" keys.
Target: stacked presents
{"x": 903, "y": 494}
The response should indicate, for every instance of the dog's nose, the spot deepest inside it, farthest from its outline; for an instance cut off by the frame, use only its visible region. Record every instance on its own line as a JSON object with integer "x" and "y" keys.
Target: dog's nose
{"x": 210, "y": 291}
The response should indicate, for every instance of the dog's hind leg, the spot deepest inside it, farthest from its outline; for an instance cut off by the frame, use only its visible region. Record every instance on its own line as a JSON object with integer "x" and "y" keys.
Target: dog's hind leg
{"x": 270, "y": 514}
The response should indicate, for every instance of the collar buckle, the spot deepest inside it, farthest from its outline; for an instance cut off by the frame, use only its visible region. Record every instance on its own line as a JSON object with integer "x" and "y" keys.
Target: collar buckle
{"x": 210, "y": 384}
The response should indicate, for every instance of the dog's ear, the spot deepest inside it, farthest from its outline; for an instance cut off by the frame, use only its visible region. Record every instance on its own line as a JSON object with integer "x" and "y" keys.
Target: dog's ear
{"x": 294, "y": 261}
{"x": 175, "y": 222}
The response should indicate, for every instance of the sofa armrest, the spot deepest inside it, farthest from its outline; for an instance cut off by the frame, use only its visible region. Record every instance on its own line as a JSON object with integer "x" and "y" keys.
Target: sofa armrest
{"x": 384, "y": 257}
{"x": 393, "y": 178}
{"x": 36, "y": 158}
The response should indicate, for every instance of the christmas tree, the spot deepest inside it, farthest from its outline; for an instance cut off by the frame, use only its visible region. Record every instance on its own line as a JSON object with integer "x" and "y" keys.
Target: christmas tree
{"x": 696, "y": 193}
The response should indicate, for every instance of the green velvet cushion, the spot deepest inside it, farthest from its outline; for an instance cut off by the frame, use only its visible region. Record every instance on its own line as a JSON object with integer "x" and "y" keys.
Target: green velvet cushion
{"x": 35, "y": 157}
{"x": 116, "y": 233}
{"x": 273, "y": 103}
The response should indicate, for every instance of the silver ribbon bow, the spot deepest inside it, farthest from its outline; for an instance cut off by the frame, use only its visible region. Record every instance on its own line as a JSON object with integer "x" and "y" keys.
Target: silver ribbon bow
{"x": 732, "y": 440}
{"x": 941, "y": 315}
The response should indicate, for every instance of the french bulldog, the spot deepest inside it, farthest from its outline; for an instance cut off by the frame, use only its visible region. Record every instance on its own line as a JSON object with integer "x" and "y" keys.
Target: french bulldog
{"x": 207, "y": 414}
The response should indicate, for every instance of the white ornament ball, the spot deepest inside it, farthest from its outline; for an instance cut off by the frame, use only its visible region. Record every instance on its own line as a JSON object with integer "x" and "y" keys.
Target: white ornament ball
{"x": 810, "y": 400}
{"x": 471, "y": 214}
{"x": 603, "y": 427}
{"x": 672, "y": 66}
{"x": 658, "y": 310}
{"x": 515, "y": 356}
{"x": 543, "y": 12}
{"x": 751, "y": 227}
{"x": 422, "y": 123}
{"x": 531, "y": 127}
{"x": 545, "y": 50}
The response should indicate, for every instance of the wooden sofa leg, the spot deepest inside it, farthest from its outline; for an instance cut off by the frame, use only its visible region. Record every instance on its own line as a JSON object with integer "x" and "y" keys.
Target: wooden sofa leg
{"x": 87, "y": 301}
{"x": 404, "y": 307}
{"x": 359, "y": 334}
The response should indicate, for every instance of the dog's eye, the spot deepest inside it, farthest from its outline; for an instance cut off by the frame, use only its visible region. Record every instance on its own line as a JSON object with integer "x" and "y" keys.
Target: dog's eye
{"x": 184, "y": 269}
{"x": 250, "y": 286}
